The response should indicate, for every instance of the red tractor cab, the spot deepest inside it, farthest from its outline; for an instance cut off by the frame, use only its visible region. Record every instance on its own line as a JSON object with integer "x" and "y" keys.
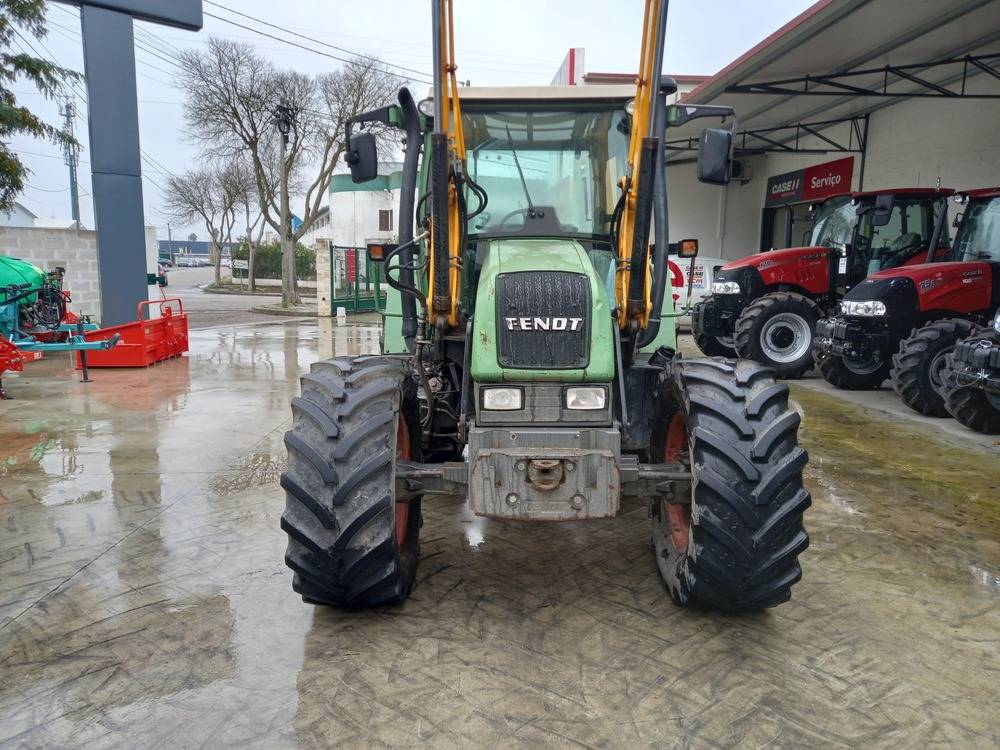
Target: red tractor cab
{"x": 902, "y": 323}
{"x": 765, "y": 306}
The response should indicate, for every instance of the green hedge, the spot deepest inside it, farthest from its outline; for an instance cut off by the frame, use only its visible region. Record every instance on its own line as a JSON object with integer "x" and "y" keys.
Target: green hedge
{"x": 267, "y": 261}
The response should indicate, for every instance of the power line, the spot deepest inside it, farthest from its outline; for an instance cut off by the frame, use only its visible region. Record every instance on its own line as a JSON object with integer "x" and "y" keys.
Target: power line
{"x": 295, "y": 44}
{"x": 83, "y": 97}
{"x": 312, "y": 39}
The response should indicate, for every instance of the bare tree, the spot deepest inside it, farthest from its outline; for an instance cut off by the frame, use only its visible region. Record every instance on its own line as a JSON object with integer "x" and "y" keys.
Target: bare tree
{"x": 248, "y": 203}
{"x": 233, "y": 95}
{"x": 210, "y": 196}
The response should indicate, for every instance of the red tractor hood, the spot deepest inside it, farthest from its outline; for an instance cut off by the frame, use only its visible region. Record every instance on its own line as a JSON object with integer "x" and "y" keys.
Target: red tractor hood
{"x": 803, "y": 269}
{"x": 956, "y": 287}
{"x": 775, "y": 257}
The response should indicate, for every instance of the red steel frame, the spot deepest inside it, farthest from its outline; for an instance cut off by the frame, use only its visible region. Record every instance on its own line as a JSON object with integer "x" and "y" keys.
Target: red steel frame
{"x": 146, "y": 341}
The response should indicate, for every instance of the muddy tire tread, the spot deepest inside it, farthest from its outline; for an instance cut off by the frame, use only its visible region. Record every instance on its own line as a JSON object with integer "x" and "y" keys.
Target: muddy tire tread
{"x": 748, "y": 498}
{"x": 339, "y": 486}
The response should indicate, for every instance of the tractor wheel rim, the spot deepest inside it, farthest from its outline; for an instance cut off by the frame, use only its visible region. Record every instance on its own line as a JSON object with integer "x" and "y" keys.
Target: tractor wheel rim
{"x": 677, "y": 516}
{"x": 403, "y": 452}
{"x": 936, "y": 368}
{"x": 861, "y": 367}
{"x": 726, "y": 341}
{"x": 786, "y": 337}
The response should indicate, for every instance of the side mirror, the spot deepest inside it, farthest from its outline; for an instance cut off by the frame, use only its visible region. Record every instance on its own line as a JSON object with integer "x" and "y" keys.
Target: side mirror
{"x": 684, "y": 249}
{"x": 883, "y": 210}
{"x": 362, "y": 156}
{"x": 715, "y": 147}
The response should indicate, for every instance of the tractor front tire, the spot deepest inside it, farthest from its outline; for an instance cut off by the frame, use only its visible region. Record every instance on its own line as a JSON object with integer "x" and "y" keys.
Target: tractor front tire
{"x": 735, "y": 545}
{"x": 350, "y": 543}
{"x": 850, "y": 376}
{"x": 917, "y": 366}
{"x": 710, "y": 346}
{"x": 970, "y": 406}
{"x": 777, "y": 330}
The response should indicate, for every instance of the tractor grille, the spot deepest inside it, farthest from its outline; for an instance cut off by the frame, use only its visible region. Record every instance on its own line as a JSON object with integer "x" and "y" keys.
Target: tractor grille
{"x": 543, "y": 320}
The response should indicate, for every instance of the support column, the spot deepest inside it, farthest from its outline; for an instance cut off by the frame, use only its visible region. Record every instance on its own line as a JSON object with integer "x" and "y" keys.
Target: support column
{"x": 109, "y": 62}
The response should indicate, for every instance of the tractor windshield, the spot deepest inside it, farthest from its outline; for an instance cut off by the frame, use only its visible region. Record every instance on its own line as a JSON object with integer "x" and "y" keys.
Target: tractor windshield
{"x": 565, "y": 161}
{"x": 834, "y": 223}
{"x": 978, "y": 236}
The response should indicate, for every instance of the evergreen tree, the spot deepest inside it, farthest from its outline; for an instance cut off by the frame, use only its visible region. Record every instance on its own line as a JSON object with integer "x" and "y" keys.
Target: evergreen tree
{"x": 18, "y": 19}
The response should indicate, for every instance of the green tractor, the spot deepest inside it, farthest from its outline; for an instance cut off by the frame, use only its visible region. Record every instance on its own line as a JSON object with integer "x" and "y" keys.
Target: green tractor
{"x": 528, "y": 356}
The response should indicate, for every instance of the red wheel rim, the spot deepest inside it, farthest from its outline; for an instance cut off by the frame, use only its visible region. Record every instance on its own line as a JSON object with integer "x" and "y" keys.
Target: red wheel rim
{"x": 678, "y": 516}
{"x": 402, "y": 453}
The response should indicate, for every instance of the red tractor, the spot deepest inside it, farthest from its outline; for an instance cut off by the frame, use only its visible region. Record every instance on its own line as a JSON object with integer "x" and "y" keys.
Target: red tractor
{"x": 902, "y": 323}
{"x": 765, "y": 306}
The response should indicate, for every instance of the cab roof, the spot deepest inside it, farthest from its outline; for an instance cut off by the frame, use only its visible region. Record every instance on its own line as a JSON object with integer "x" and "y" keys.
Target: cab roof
{"x": 574, "y": 94}
{"x": 905, "y": 191}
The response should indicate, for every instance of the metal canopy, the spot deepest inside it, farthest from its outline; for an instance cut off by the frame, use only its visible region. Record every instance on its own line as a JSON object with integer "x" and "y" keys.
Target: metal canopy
{"x": 846, "y": 136}
{"x": 889, "y": 80}
{"x": 858, "y": 56}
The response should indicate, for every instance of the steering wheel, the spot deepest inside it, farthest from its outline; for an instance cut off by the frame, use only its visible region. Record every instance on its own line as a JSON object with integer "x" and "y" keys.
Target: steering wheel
{"x": 894, "y": 257}
{"x": 511, "y": 214}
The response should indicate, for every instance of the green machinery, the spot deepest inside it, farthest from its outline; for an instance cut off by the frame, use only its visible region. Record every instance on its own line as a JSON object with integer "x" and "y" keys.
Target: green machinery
{"x": 528, "y": 358}
{"x": 34, "y": 318}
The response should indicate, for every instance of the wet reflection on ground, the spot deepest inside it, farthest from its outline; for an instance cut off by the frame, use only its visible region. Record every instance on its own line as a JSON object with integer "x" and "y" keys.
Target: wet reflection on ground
{"x": 144, "y": 602}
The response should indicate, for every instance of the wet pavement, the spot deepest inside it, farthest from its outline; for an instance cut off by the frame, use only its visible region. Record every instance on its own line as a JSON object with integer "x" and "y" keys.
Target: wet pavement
{"x": 144, "y": 602}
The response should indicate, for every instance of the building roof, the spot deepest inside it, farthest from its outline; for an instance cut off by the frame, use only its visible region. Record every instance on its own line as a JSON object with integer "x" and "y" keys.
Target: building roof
{"x": 834, "y": 37}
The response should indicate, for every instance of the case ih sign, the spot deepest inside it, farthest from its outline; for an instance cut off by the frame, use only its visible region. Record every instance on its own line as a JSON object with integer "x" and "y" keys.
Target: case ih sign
{"x": 811, "y": 183}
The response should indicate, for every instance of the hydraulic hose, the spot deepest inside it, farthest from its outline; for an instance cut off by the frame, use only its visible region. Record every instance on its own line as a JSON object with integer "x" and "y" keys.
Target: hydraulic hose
{"x": 660, "y": 227}
{"x": 407, "y": 197}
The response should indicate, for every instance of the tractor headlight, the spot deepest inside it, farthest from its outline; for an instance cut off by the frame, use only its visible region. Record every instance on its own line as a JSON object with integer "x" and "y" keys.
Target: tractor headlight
{"x": 863, "y": 309}
{"x": 725, "y": 287}
{"x": 585, "y": 398}
{"x": 502, "y": 399}
{"x": 996, "y": 322}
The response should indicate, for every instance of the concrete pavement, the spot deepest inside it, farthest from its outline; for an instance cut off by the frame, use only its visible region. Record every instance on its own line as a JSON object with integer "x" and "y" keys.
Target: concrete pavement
{"x": 144, "y": 601}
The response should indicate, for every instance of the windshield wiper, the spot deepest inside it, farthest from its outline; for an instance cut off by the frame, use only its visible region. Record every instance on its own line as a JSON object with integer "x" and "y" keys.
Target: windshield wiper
{"x": 517, "y": 163}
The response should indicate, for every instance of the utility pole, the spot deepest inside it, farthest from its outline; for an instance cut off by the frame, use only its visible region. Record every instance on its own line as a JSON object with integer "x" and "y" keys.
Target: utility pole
{"x": 284, "y": 118}
{"x": 71, "y": 155}
{"x": 170, "y": 245}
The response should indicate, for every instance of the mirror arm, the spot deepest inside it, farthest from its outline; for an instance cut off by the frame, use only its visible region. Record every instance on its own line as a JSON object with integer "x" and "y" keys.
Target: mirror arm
{"x": 382, "y": 114}
{"x": 681, "y": 114}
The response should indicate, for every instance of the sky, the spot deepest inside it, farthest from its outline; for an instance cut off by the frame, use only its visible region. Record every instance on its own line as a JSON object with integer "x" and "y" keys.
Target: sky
{"x": 510, "y": 42}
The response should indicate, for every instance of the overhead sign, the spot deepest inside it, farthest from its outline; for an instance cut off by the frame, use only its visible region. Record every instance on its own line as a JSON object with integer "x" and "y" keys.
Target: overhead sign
{"x": 184, "y": 14}
{"x": 812, "y": 183}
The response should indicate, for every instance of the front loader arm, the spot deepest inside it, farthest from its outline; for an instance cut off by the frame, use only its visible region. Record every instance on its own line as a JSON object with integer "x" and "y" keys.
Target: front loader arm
{"x": 632, "y": 282}
{"x": 447, "y": 173}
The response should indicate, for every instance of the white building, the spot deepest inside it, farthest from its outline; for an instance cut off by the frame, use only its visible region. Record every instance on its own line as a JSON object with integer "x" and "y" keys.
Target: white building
{"x": 356, "y": 214}
{"x": 18, "y": 216}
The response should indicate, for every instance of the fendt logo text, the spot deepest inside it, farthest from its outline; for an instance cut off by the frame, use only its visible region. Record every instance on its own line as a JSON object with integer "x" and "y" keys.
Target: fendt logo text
{"x": 544, "y": 324}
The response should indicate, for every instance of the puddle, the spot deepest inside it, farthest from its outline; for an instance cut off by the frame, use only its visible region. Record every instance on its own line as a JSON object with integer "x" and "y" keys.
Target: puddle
{"x": 257, "y": 469}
